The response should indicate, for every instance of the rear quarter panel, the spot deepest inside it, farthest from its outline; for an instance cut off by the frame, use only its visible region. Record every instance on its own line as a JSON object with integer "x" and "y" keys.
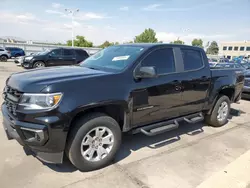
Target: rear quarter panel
{"x": 224, "y": 79}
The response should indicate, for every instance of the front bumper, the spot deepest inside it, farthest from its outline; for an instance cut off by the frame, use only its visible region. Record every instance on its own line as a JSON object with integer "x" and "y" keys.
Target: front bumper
{"x": 35, "y": 137}
{"x": 27, "y": 63}
{"x": 18, "y": 61}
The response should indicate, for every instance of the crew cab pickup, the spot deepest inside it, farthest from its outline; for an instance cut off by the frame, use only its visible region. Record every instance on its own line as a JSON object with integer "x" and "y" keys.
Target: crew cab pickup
{"x": 81, "y": 111}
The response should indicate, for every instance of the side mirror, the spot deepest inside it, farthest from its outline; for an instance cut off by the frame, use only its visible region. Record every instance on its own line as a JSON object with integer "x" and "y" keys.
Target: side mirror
{"x": 146, "y": 72}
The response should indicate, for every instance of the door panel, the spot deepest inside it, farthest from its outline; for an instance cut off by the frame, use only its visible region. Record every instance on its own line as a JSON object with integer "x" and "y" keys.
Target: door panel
{"x": 55, "y": 58}
{"x": 196, "y": 80}
{"x": 69, "y": 57}
{"x": 159, "y": 100}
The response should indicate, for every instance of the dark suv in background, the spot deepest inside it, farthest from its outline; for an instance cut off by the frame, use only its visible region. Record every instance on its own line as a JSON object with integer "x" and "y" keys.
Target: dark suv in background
{"x": 55, "y": 57}
{"x": 15, "y": 52}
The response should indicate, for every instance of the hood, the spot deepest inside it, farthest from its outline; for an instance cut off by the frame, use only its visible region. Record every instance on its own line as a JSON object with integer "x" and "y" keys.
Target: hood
{"x": 37, "y": 79}
{"x": 35, "y": 56}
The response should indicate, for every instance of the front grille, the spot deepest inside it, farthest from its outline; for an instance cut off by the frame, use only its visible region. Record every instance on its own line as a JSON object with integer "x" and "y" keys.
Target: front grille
{"x": 11, "y": 99}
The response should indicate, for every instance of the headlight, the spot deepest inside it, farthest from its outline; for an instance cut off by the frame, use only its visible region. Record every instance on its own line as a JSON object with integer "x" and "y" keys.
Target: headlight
{"x": 40, "y": 101}
{"x": 28, "y": 58}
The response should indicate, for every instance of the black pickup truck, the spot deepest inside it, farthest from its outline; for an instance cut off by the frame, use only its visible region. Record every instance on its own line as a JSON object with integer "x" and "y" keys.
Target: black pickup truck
{"x": 81, "y": 111}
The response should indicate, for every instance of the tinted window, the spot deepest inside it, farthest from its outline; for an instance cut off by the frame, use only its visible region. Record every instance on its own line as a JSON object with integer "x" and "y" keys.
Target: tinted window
{"x": 82, "y": 53}
{"x": 224, "y": 48}
{"x": 236, "y": 48}
{"x": 56, "y": 52}
{"x": 68, "y": 52}
{"x": 192, "y": 59}
{"x": 1, "y": 49}
{"x": 230, "y": 48}
{"x": 162, "y": 60}
{"x": 248, "y": 48}
{"x": 242, "y": 48}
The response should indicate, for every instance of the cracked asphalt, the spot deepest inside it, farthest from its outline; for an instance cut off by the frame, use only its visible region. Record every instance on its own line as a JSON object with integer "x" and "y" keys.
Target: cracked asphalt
{"x": 181, "y": 158}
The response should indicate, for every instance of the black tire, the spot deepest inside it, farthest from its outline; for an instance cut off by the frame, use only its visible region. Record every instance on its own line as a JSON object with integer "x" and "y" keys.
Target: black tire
{"x": 3, "y": 58}
{"x": 80, "y": 129}
{"x": 39, "y": 64}
{"x": 17, "y": 55}
{"x": 212, "y": 118}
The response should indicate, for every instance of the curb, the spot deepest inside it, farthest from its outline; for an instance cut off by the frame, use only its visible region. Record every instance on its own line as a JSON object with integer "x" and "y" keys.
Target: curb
{"x": 235, "y": 175}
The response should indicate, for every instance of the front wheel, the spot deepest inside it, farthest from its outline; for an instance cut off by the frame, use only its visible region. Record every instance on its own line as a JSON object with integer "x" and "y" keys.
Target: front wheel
{"x": 3, "y": 58}
{"x": 39, "y": 64}
{"x": 93, "y": 142}
{"x": 220, "y": 113}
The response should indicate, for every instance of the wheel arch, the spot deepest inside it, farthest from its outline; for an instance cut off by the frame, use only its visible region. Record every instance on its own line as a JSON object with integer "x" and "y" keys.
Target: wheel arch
{"x": 4, "y": 55}
{"x": 227, "y": 91}
{"x": 118, "y": 110}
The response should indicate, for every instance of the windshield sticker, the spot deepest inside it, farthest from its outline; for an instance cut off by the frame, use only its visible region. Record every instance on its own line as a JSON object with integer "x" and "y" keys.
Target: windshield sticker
{"x": 121, "y": 58}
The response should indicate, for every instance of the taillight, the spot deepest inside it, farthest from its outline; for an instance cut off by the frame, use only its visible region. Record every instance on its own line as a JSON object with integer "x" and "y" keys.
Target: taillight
{"x": 8, "y": 52}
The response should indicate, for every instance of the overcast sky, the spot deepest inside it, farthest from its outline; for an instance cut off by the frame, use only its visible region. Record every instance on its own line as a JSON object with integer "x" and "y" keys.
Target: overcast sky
{"x": 113, "y": 20}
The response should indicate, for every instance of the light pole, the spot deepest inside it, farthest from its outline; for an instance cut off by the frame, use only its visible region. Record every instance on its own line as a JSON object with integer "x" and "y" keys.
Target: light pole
{"x": 72, "y": 13}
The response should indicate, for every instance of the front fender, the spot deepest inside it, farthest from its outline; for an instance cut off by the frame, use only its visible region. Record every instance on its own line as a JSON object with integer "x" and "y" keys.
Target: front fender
{"x": 88, "y": 107}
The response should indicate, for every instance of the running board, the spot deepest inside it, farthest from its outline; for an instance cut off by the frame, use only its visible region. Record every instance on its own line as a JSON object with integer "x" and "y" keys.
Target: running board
{"x": 162, "y": 129}
{"x": 165, "y": 126}
{"x": 195, "y": 119}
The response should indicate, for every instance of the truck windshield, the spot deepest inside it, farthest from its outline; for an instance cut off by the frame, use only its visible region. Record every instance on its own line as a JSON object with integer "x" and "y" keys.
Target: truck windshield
{"x": 114, "y": 58}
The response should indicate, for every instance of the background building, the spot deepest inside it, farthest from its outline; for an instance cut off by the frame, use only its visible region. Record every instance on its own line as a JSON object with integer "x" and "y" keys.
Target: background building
{"x": 235, "y": 49}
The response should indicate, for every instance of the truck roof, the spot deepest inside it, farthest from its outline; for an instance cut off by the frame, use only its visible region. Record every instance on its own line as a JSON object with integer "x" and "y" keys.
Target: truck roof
{"x": 150, "y": 45}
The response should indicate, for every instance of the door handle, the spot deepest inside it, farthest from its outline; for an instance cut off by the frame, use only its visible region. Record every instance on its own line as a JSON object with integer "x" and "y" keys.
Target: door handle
{"x": 203, "y": 78}
{"x": 176, "y": 82}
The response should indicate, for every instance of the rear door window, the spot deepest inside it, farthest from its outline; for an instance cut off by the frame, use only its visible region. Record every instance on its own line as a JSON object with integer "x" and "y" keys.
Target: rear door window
{"x": 192, "y": 59}
{"x": 68, "y": 52}
{"x": 81, "y": 53}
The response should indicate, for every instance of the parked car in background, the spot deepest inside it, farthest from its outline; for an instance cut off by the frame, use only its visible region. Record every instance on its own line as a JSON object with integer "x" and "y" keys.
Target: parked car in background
{"x": 81, "y": 111}
{"x": 212, "y": 64}
{"x": 213, "y": 60}
{"x": 19, "y": 60}
{"x": 223, "y": 60}
{"x": 246, "y": 88}
{"x": 4, "y": 54}
{"x": 229, "y": 65}
{"x": 15, "y": 52}
{"x": 246, "y": 65}
{"x": 55, "y": 57}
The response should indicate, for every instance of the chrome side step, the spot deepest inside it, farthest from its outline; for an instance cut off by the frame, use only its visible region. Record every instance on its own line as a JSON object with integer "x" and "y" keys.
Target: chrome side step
{"x": 165, "y": 126}
{"x": 161, "y": 129}
{"x": 195, "y": 119}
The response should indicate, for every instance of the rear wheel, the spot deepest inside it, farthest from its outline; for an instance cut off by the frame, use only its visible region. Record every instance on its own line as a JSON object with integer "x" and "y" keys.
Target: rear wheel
{"x": 220, "y": 113}
{"x": 39, "y": 64}
{"x": 93, "y": 142}
{"x": 3, "y": 58}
